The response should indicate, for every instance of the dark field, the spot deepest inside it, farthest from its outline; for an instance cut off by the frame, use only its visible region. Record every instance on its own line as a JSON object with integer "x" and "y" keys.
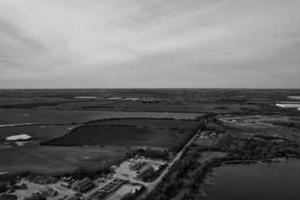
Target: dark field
{"x": 163, "y": 133}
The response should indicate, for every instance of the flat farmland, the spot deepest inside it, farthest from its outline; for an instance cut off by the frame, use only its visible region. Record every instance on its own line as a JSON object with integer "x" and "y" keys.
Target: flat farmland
{"x": 163, "y": 106}
{"x": 40, "y": 132}
{"x": 45, "y": 116}
{"x": 161, "y": 133}
{"x": 147, "y": 122}
{"x": 56, "y": 160}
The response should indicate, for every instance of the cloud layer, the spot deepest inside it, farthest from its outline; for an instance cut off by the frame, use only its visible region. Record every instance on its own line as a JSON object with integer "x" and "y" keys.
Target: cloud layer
{"x": 157, "y": 43}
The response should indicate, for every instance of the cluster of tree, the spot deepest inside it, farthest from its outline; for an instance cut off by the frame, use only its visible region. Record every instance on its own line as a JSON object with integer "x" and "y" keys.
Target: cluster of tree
{"x": 8, "y": 197}
{"x": 132, "y": 196}
{"x": 209, "y": 122}
{"x": 150, "y": 153}
{"x": 152, "y": 176}
{"x": 8, "y": 186}
{"x": 86, "y": 173}
{"x": 4, "y": 187}
{"x": 177, "y": 147}
{"x": 181, "y": 175}
{"x": 257, "y": 148}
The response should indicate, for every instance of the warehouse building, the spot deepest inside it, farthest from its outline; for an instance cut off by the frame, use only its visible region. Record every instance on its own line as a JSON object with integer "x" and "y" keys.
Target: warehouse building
{"x": 84, "y": 185}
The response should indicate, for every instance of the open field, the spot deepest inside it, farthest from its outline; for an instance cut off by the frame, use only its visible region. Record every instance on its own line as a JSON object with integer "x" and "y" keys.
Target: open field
{"x": 130, "y": 132}
{"x": 164, "y": 123}
{"x": 162, "y": 106}
{"x": 149, "y": 100}
{"x": 40, "y": 132}
{"x": 52, "y": 160}
{"x": 44, "y": 124}
{"x": 163, "y": 133}
{"x": 46, "y": 116}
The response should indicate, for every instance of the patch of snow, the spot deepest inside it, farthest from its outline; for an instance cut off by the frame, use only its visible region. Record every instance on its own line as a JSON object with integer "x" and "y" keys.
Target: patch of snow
{"x": 18, "y": 137}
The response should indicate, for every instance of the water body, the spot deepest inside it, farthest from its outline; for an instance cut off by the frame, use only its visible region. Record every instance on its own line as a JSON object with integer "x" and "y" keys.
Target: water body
{"x": 275, "y": 181}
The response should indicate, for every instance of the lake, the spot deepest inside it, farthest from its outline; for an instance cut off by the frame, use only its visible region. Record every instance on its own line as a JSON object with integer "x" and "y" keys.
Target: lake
{"x": 275, "y": 181}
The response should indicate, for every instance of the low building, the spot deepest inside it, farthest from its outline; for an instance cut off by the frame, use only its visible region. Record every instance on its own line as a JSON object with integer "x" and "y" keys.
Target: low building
{"x": 66, "y": 185}
{"x": 107, "y": 189}
{"x": 84, "y": 185}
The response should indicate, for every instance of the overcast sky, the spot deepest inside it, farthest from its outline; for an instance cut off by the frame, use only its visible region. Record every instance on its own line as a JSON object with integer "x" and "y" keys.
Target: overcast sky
{"x": 149, "y": 43}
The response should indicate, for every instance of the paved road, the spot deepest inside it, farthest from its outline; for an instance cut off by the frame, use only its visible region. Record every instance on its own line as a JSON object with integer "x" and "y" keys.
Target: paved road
{"x": 151, "y": 186}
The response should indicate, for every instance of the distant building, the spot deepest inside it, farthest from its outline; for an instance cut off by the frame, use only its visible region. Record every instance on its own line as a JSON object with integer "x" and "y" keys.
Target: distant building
{"x": 84, "y": 185}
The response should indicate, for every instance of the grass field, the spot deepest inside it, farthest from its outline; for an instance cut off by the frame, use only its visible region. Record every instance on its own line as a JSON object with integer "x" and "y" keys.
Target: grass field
{"x": 40, "y": 133}
{"x": 163, "y": 106}
{"x": 94, "y": 144}
{"x": 45, "y": 116}
{"x": 54, "y": 160}
{"x": 163, "y": 133}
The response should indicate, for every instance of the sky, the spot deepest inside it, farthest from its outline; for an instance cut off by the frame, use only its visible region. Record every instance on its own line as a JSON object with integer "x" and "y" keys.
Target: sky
{"x": 149, "y": 44}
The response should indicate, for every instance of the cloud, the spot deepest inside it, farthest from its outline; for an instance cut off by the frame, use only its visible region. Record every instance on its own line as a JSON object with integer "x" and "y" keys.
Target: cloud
{"x": 158, "y": 43}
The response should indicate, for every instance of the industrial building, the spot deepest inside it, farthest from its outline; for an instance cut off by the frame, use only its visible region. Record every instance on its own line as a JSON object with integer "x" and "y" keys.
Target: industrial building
{"x": 84, "y": 185}
{"x": 107, "y": 189}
